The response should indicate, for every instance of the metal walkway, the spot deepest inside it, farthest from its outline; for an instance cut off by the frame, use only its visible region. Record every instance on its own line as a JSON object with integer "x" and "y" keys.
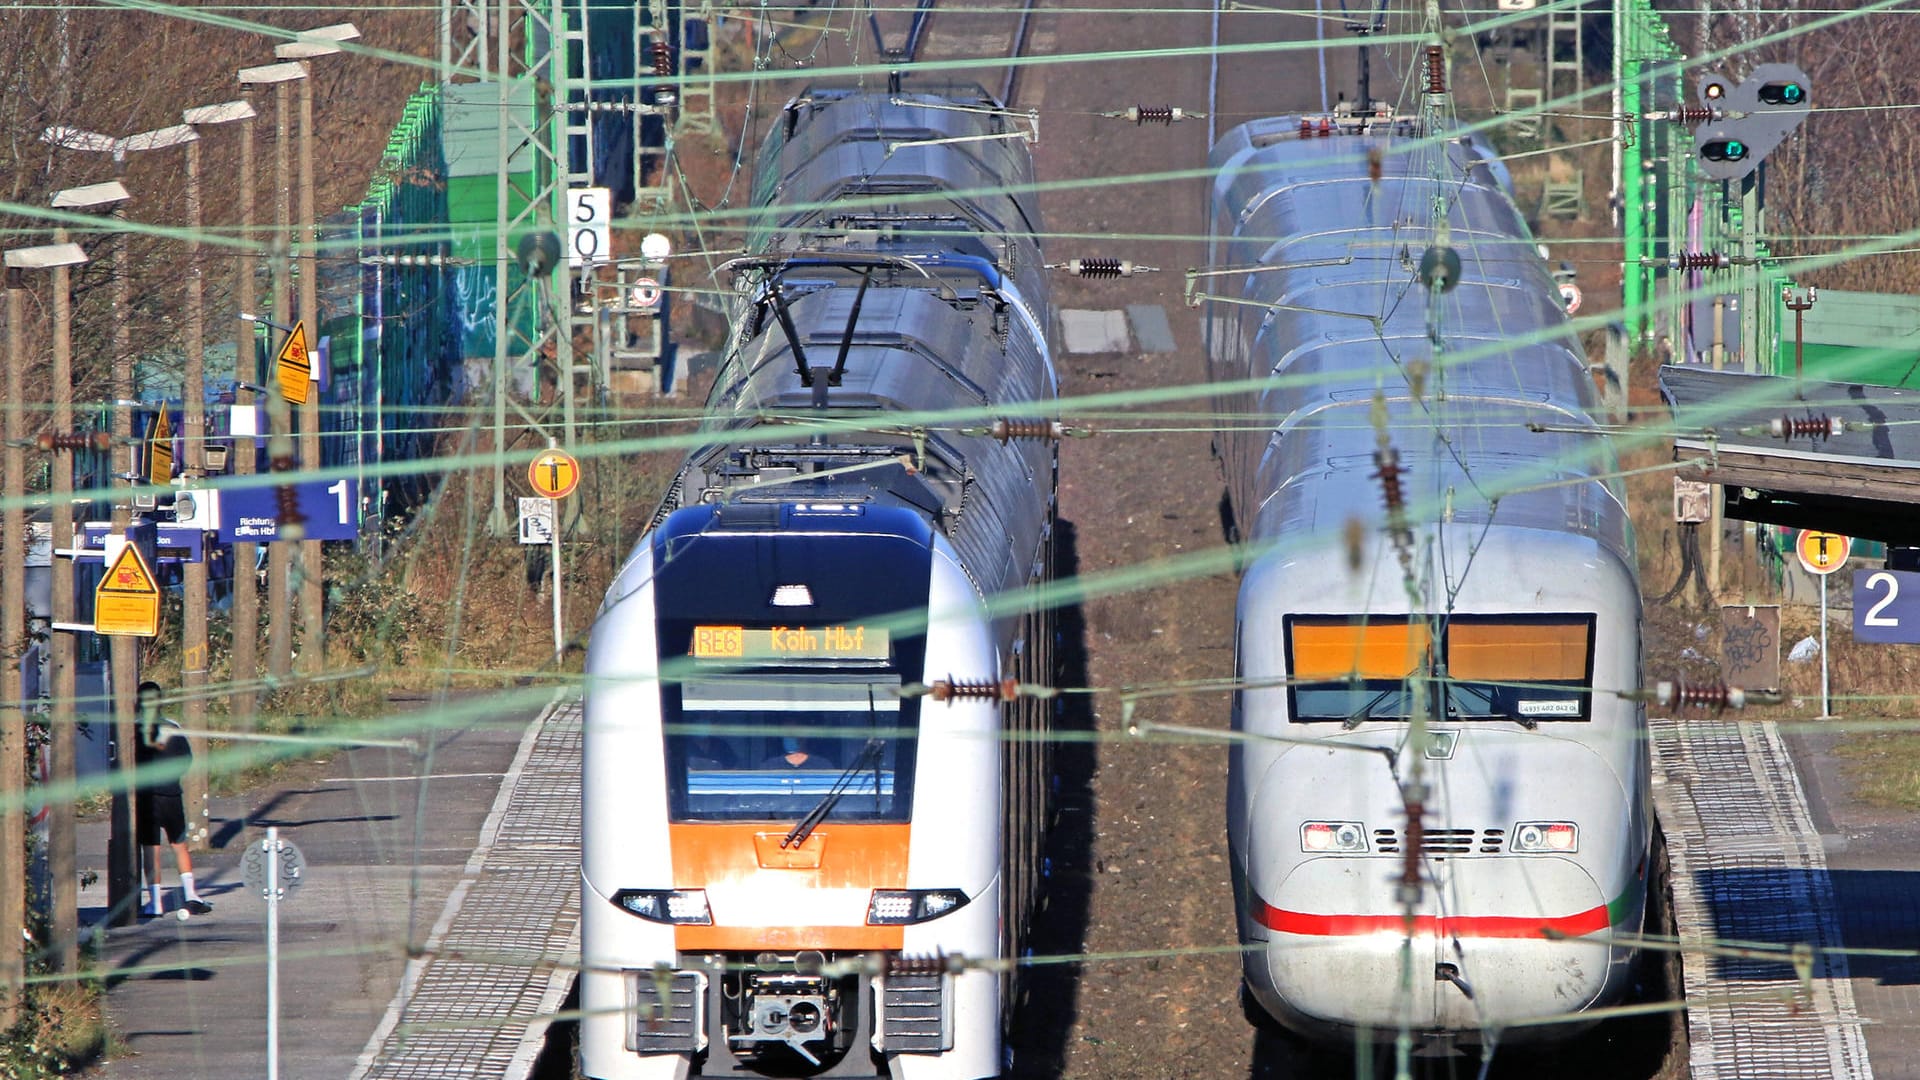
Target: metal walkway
{"x": 498, "y": 963}
{"x": 1748, "y": 868}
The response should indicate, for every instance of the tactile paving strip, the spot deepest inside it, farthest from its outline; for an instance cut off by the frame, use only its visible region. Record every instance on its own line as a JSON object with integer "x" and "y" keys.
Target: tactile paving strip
{"x": 1748, "y": 868}
{"x": 492, "y": 975}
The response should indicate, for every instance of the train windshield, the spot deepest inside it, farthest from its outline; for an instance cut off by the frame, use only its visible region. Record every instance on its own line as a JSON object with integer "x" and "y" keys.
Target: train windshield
{"x": 763, "y": 745}
{"x": 1527, "y": 669}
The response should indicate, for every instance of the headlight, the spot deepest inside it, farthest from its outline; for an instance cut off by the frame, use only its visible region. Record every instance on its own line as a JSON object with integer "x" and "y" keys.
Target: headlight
{"x": 676, "y": 906}
{"x": 1545, "y": 836}
{"x": 1332, "y": 837}
{"x": 900, "y": 907}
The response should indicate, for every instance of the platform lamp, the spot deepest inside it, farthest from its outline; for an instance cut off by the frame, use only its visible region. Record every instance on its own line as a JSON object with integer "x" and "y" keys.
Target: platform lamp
{"x": 280, "y": 77}
{"x": 60, "y": 257}
{"x": 13, "y": 607}
{"x": 308, "y": 45}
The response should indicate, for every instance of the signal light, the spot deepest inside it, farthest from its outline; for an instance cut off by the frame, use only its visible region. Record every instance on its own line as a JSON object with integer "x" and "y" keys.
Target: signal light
{"x": 1333, "y": 837}
{"x": 1783, "y": 93}
{"x": 1545, "y": 836}
{"x": 1724, "y": 150}
{"x": 903, "y": 907}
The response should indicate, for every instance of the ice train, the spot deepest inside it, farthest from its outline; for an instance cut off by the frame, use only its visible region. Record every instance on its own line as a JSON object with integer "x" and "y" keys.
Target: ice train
{"x": 1379, "y": 351}
{"x": 785, "y": 840}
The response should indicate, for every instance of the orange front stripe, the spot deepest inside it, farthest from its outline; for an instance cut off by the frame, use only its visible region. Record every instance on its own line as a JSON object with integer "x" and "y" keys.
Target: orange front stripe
{"x": 744, "y": 856}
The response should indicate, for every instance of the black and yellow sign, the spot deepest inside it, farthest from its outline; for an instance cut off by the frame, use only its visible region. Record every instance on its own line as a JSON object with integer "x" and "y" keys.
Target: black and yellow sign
{"x": 554, "y": 474}
{"x": 127, "y": 600}
{"x": 160, "y": 449}
{"x": 1823, "y": 552}
{"x": 790, "y": 643}
{"x": 294, "y": 366}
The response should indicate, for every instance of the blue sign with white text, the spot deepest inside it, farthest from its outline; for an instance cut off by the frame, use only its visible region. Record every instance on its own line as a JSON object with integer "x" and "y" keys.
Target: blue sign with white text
{"x": 172, "y": 543}
{"x": 251, "y": 515}
{"x": 1886, "y": 607}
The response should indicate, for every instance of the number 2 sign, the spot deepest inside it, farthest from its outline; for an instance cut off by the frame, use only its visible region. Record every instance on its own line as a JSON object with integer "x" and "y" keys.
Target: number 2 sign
{"x": 1886, "y": 607}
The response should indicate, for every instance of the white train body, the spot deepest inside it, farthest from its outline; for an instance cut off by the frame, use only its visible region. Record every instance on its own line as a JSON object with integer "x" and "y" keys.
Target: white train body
{"x": 782, "y": 837}
{"x": 1531, "y": 869}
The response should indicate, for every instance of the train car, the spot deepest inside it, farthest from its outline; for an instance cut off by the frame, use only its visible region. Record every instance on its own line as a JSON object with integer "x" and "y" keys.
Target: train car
{"x": 792, "y": 851}
{"x": 1436, "y": 540}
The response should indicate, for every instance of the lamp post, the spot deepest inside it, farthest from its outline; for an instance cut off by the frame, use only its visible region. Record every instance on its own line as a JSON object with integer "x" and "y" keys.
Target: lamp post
{"x": 123, "y": 865}
{"x": 308, "y": 45}
{"x": 243, "y": 660}
{"x": 193, "y": 629}
{"x": 13, "y": 618}
{"x": 61, "y": 257}
{"x": 279, "y": 76}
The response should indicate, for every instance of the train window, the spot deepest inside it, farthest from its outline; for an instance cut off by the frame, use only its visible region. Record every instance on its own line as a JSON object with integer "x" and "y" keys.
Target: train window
{"x": 1340, "y": 648}
{"x": 764, "y": 746}
{"x": 1526, "y": 669}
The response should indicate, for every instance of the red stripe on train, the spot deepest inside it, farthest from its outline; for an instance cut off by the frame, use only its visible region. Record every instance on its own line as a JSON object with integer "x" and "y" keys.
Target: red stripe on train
{"x": 1591, "y": 921}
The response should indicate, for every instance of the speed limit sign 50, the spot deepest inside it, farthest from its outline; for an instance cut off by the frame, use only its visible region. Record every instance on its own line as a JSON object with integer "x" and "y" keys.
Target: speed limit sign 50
{"x": 589, "y": 225}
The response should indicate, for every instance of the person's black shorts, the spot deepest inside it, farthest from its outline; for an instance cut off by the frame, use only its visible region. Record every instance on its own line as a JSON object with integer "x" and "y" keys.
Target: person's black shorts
{"x": 157, "y": 814}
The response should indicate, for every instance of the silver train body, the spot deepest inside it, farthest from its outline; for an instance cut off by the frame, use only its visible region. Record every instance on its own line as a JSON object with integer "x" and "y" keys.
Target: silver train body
{"x": 775, "y": 825}
{"x": 1531, "y": 855}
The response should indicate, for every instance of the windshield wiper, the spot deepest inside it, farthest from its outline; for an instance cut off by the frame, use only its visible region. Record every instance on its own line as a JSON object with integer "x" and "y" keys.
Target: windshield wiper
{"x": 804, "y": 828}
{"x": 1365, "y": 712}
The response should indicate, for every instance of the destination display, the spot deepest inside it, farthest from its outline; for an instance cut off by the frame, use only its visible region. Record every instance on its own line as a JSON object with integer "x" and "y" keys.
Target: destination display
{"x": 790, "y": 643}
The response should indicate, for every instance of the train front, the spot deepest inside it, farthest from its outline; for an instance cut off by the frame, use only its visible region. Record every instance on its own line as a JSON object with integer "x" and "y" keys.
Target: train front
{"x": 1487, "y": 881}
{"x": 772, "y": 832}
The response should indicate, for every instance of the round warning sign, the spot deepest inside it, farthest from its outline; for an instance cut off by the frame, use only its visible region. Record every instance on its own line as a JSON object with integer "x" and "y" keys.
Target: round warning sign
{"x": 1823, "y": 552}
{"x": 554, "y": 474}
{"x": 645, "y": 293}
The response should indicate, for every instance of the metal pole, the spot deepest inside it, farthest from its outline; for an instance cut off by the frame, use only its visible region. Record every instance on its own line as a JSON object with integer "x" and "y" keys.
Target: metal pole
{"x": 1826, "y": 701}
{"x": 123, "y": 653}
{"x": 64, "y": 887}
{"x": 13, "y": 619}
{"x": 193, "y": 579}
{"x": 313, "y": 643}
{"x": 502, "y": 280}
{"x": 271, "y": 846}
{"x": 245, "y": 624}
{"x": 559, "y": 638}
{"x": 279, "y": 629}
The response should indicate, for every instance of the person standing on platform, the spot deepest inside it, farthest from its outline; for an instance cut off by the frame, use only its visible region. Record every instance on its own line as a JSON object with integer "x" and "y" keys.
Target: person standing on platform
{"x": 162, "y": 756}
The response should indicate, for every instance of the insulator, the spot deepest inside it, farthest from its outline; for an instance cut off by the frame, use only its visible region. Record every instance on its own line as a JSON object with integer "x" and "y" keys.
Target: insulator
{"x": 1306, "y": 128}
{"x": 286, "y": 498}
{"x": 662, "y": 58}
{"x": 1094, "y": 268}
{"x": 1415, "y": 841}
{"x": 1813, "y": 427}
{"x": 1154, "y": 114}
{"x": 947, "y": 689}
{"x": 1698, "y": 260}
{"x": 1004, "y": 429}
{"x": 1693, "y": 114}
{"x": 1387, "y": 470}
{"x": 1681, "y": 694}
{"x": 937, "y": 964}
{"x": 1326, "y": 127}
{"x": 1376, "y": 165}
{"x": 98, "y": 440}
{"x": 1436, "y": 70}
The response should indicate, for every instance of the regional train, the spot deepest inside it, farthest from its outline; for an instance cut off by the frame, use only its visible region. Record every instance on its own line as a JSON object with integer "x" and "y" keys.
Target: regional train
{"x": 1435, "y": 532}
{"x": 796, "y": 860}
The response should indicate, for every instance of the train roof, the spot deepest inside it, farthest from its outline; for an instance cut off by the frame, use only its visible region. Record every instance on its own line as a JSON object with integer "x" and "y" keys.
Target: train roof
{"x": 1334, "y": 231}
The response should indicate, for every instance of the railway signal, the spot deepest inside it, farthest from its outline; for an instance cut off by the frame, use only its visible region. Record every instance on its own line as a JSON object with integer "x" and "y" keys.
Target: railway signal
{"x": 1744, "y": 123}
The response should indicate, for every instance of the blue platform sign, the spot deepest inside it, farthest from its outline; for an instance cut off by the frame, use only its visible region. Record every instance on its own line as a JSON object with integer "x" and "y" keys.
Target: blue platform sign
{"x": 250, "y": 515}
{"x": 1886, "y": 607}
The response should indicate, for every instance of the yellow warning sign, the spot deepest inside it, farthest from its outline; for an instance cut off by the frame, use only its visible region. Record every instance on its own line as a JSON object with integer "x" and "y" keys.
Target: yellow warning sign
{"x": 295, "y": 366}
{"x": 160, "y": 449}
{"x": 554, "y": 474}
{"x": 1823, "y": 552}
{"x": 127, "y": 600}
